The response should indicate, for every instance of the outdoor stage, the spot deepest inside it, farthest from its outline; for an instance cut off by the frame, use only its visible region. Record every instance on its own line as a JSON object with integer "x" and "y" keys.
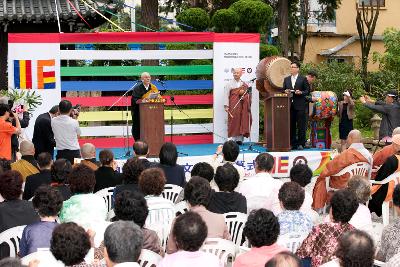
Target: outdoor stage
{"x": 191, "y": 154}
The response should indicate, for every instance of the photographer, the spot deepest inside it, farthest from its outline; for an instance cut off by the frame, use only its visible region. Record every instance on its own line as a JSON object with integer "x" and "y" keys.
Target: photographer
{"x": 24, "y": 122}
{"x": 7, "y": 130}
{"x": 66, "y": 133}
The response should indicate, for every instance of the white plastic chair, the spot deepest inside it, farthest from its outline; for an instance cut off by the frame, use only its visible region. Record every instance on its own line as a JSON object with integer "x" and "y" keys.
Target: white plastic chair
{"x": 172, "y": 192}
{"x": 45, "y": 258}
{"x": 225, "y": 250}
{"x": 379, "y": 263}
{"x": 162, "y": 230}
{"x": 360, "y": 168}
{"x": 395, "y": 177}
{"x": 160, "y": 219}
{"x": 181, "y": 208}
{"x": 12, "y": 237}
{"x": 235, "y": 222}
{"x": 149, "y": 258}
{"x": 110, "y": 215}
{"x": 106, "y": 194}
{"x": 292, "y": 241}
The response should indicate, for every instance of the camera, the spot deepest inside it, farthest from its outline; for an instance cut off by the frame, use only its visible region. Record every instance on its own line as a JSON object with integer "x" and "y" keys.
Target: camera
{"x": 75, "y": 111}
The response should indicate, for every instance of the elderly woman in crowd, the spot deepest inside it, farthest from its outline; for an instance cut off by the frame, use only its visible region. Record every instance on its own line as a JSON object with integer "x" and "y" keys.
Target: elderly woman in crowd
{"x": 262, "y": 231}
{"x": 60, "y": 171}
{"x": 189, "y": 232}
{"x": 197, "y": 194}
{"x": 320, "y": 245}
{"x": 47, "y": 201}
{"x": 291, "y": 219}
{"x": 174, "y": 173}
{"x": 131, "y": 171}
{"x": 106, "y": 175}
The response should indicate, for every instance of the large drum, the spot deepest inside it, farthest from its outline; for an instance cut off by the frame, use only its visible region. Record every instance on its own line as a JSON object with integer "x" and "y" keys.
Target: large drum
{"x": 324, "y": 106}
{"x": 270, "y": 73}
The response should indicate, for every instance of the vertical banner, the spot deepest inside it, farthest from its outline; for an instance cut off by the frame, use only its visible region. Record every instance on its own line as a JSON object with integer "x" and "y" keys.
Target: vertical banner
{"x": 35, "y": 67}
{"x": 227, "y": 56}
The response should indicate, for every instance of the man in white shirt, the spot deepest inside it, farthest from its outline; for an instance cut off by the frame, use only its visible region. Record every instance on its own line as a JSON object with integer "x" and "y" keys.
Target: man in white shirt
{"x": 261, "y": 190}
{"x": 123, "y": 241}
{"x": 66, "y": 133}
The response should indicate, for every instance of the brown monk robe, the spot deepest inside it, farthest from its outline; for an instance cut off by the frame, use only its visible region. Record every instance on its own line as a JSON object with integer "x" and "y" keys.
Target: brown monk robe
{"x": 346, "y": 158}
{"x": 239, "y": 117}
{"x": 381, "y": 156}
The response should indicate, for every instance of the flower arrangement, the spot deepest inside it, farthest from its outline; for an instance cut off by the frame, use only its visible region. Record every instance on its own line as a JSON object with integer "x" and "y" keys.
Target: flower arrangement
{"x": 30, "y": 98}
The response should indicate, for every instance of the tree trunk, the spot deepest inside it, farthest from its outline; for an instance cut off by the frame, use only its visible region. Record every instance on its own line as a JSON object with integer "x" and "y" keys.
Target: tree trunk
{"x": 3, "y": 59}
{"x": 149, "y": 18}
{"x": 283, "y": 26}
{"x": 305, "y": 9}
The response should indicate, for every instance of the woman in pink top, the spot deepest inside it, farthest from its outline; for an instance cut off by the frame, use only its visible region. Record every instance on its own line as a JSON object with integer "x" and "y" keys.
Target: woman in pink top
{"x": 262, "y": 231}
{"x": 197, "y": 194}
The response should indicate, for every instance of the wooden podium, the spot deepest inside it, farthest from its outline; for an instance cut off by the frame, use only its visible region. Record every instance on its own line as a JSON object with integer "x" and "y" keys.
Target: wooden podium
{"x": 152, "y": 125}
{"x": 277, "y": 122}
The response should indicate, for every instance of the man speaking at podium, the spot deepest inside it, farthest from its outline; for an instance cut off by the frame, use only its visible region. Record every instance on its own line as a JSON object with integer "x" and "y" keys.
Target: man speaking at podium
{"x": 141, "y": 91}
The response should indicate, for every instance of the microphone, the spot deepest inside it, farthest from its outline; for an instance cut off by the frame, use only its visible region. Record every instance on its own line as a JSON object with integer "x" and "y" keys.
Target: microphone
{"x": 252, "y": 80}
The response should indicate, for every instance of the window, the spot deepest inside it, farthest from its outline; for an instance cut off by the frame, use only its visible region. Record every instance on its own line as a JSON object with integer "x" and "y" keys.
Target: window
{"x": 336, "y": 59}
{"x": 371, "y": 3}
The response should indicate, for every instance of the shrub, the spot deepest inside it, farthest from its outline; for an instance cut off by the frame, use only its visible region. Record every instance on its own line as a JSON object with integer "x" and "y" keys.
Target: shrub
{"x": 194, "y": 17}
{"x": 225, "y": 20}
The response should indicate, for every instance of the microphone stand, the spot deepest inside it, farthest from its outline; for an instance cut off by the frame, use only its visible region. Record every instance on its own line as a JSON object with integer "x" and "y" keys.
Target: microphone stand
{"x": 126, "y": 137}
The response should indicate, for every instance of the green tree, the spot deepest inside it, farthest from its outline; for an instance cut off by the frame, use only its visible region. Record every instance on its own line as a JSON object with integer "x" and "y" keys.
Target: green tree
{"x": 390, "y": 60}
{"x": 194, "y": 17}
{"x": 225, "y": 20}
{"x": 254, "y": 15}
{"x": 267, "y": 50}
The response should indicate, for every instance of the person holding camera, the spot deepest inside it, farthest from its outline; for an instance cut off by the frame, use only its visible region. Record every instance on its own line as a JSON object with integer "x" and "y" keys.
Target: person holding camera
{"x": 7, "y": 130}
{"x": 66, "y": 133}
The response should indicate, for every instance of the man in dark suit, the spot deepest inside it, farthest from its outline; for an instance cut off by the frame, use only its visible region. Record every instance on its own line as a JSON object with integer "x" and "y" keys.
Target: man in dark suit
{"x": 297, "y": 86}
{"x": 141, "y": 150}
{"x": 43, "y": 137}
{"x": 137, "y": 93}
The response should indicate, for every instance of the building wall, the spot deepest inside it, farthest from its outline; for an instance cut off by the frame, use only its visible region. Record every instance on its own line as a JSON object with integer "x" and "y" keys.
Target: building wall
{"x": 346, "y": 17}
{"x": 351, "y": 53}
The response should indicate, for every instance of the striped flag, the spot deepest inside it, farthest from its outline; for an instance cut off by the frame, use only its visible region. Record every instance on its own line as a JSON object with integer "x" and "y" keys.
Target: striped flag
{"x": 23, "y": 74}
{"x": 46, "y": 76}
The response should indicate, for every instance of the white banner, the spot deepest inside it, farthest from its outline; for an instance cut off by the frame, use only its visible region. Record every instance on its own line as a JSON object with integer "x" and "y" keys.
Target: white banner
{"x": 36, "y": 67}
{"x": 228, "y": 56}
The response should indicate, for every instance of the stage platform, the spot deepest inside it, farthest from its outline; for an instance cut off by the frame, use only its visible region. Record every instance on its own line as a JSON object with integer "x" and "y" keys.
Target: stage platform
{"x": 191, "y": 154}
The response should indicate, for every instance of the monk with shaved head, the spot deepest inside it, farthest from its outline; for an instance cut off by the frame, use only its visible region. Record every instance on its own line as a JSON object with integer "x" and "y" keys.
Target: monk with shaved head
{"x": 237, "y": 104}
{"x": 27, "y": 165}
{"x": 355, "y": 153}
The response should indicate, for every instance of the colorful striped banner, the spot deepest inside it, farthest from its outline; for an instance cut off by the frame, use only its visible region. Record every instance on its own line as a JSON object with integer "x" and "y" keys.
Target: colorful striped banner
{"x": 46, "y": 76}
{"x": 23, "y": 74}
{"x": 129, "y": 71}
{"x": 126, "y": 85}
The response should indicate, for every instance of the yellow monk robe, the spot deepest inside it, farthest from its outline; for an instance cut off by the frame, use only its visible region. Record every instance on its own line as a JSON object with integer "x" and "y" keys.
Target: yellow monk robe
{"x": 24, "y": 167}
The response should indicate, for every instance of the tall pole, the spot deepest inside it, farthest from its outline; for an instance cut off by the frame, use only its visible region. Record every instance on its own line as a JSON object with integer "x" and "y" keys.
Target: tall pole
{"x": 133, "y": 16}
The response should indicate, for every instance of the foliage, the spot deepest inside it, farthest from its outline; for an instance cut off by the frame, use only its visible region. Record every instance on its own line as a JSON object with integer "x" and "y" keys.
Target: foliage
{"x": 382, "y": 81}
{"x": 363, "y": 116}
{"x": 194, "y": 17}
{"x": 225, "y": 20}
{"x": 390, "y": 60}
{"x": 255, "y": 15}
{"x": 29, "y": 98}
{"x": 267, "y": 50}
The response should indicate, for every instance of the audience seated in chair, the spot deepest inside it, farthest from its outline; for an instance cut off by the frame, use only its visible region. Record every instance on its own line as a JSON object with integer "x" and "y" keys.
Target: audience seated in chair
{"x": 130, "y": 176}
{"x": 206, "y": 171}
{"x": 123, "y": 242}
{"x": 141, "y": 150}
{"x": 361, "y": 188}
{"x": 84, "y": 207}
{"x": 189, "y": 232}
{"x": 88, "y": 152}
{"x": 27, "y": 165}
{"x": 354, "y": 154}
{"x": 47, "y": 202}
{"x": 390, "y": 240}
{"x": 284, "y": 259}
{"x": 381, "y": 193}
{"x": 174, "y": 173}
{"x": 197, "y": 194}
{"x": 261, "y": 190}
{"x": 60, "y": 172}
{"x": 70, "y": 243}
{"x": 355, "y": 248}
{"x": 320, "y": 245}
{"x": 13, "y": 211}
{"x": 262, "y": 231}
{"x": 227, "y": 200}
{"x": 382, "y": 155}
{"x": 106, "y": 175}
{"x": 291, "y": 219}
{"x": 131, "y": 206}
{"x": 230, "y": 152}
{"x": 43, "y": 177}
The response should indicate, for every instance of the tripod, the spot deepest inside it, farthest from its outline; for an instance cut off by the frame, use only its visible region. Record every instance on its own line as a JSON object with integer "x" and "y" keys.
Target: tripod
{"x": 127, "y": 149}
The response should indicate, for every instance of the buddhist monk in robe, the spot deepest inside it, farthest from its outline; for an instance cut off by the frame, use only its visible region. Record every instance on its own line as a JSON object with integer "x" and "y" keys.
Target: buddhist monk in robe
{"x": 27, "y": 165}
{"x": 237, "y": 104}
{"x": 382, "y": 155}
{"x": 355, "y": 153}
{"x": 382, "y": 193}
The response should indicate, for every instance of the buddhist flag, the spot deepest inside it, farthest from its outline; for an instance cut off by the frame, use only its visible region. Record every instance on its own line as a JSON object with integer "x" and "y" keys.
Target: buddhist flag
{"x": 23, "y": 74}
{"x": 46, "y": 76}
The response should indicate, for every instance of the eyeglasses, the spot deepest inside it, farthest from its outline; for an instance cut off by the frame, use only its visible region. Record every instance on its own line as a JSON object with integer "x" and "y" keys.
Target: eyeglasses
{"x": 294, "y": 67}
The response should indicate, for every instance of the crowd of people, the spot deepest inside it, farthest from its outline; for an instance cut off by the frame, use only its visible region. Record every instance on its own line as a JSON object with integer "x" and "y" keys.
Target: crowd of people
{"x": 66, "y": 219}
